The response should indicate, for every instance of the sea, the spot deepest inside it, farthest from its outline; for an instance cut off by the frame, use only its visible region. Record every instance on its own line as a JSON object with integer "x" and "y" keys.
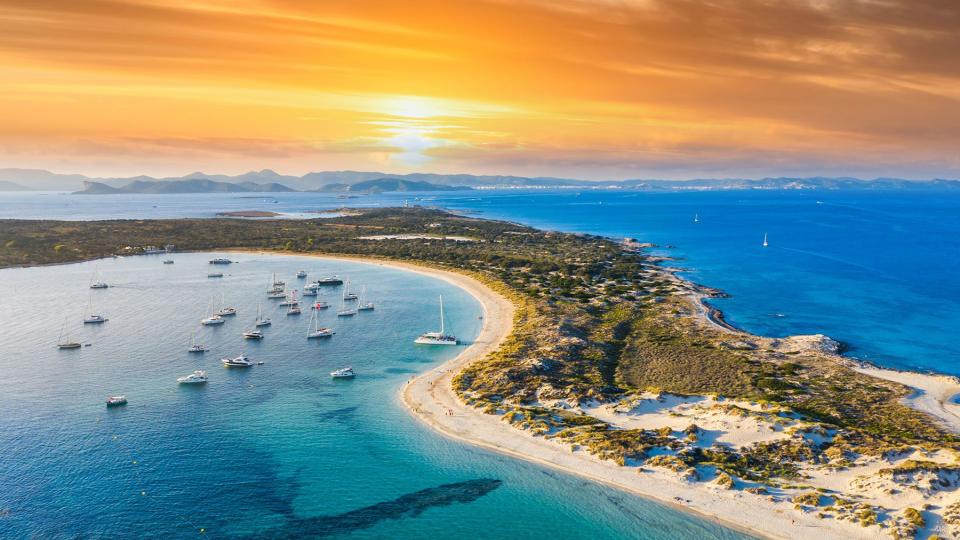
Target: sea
{"x": 280, "y": 449}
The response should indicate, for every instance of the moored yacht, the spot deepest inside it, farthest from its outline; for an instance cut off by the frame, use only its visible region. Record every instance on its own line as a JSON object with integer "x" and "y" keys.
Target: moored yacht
{"x": 99, "y": 285}
{"x": 64, "y": 341}
{"x": 364, "y": 305}
{"x": 168, "y": 261}
{"x": 343, "y": 373}
{"x": 319, "y": 305}
{"x": 253, "y": 334}
{"x": 437, "y": 338}
{"x": 221, "y": 260}
{"x": 215, "y": 274}
{"x": 314, "y": 330}
{"x": 197, "y": 348}
{"x": 301, "y": 274}
{"x": 309, "y": 292}
{"x": 212, "y": 320}
{"x": 197, "y": 377}
{"x": 240, "y": 361}
{"x": 94, "y": 319}
{"x": 227, "y": 312}
{"x": 329, "y": 280}
{"x": 261, "y": 321}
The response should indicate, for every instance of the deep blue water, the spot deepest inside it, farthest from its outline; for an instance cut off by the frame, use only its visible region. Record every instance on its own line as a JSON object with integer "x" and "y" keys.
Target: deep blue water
{"x": 275, "y": 451}
{"x": 877, "y": 270}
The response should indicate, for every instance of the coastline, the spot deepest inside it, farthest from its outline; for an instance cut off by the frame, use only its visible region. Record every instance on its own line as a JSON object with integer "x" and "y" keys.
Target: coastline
{"x": 430, "y": 398}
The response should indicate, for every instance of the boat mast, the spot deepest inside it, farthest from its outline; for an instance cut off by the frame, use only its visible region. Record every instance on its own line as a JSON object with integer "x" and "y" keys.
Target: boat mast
{"x": 441, "y": 315}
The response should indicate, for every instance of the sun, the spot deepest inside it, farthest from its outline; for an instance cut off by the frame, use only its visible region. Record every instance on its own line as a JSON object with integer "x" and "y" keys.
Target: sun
{"x": 414, "y": 107}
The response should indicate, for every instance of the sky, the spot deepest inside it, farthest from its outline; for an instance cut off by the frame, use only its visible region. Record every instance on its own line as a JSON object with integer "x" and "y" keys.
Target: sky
{"x": 596, "y": 89}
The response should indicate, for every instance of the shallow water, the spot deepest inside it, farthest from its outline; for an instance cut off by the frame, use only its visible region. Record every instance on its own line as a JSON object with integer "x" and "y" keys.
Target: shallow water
{"x": 272, "y": 451}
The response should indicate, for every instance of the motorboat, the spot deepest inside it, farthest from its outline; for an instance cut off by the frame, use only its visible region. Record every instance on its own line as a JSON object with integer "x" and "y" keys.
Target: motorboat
{"x": 343, "y": 373}
{"x": 227, "y": 312}
{"x": 168, "y": 261}
{"x": 99, "y": 285}
{"x": 197, "y": 348}
{"x": 302, "y": 274}
{"x": 197, "y": 377}
{"x": 116, "y": 401}
{"x": 329, "y": 281}
{"x": 309, "y": 292}
{"x": 253, "y": 334}
{"x": 240, "y": 361}
{"x": 215, "y": 274}
{"x": 221, "y": 260}
{"x": 437, "y": 338}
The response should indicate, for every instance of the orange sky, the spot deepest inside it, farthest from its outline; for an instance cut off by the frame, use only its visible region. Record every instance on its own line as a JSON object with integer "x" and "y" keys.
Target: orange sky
{"x": 576, "y": 88}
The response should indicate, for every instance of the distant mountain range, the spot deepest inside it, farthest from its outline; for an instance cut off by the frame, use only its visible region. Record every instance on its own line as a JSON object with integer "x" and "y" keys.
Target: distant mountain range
{"x": 370, "y": 182}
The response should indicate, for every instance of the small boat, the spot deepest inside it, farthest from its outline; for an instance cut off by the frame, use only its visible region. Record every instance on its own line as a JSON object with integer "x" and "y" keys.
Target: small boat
{"x": 294, "y": 310}
{"x": 197, "y": 348}
{"x": 343, "y": 373}
{"x": 220, "y": 260}
{"x": 253, "y": 334}
{"x": 319, "y": 305}
{"x": 344, "y": 310}
{"x": 291, "y": 299}
{"x": 212, "y": 320}
{"x": 309, "y": 292}
{"x": 314, "y": 330}
{"x": 328, "y": 281}
{"x": 276, "y": 294}
{"x": 260, "y": 322}
{"x": 197, "y": 377}
{"x": 364, "y": 305}
{"x": 64, "y": 341}
{"x": 437, "y": 338}
{"x": 696, "y": 218}
{"x": 116, "y": 401}
{"x": 168, "y": 261}
{"x": 311, "y": 287}
{"x": 347, "y": 295}
{"x": 240, "y": 361}
{"x": 302, "y": 274}
{"x": 94, "y": 319}
{"x": 227, "y": 312}
{"x": 215, "y": 274}
{"x": 764, "y": 244}
{"x": 96, "y": 282}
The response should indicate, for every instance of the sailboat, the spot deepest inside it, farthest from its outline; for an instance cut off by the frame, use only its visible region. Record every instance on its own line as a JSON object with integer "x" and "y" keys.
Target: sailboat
{"x": 344, "y": 311}
{"x": 261, "y": 322}
{"x": 64, "y": 342}
{"x": 347, "y": 295}
{"x": 194, "y": 346}
{"x": 696, "y": 218}
{"x": 363, "y": 305}
{"x": 96, "y": 282}
{"x": 276, "y": 288}
{"x": 226, "y": 311}
{"x": 91, "y": 317}
{"x": 765, "y": 244}
{"x": 314, "y": 330}
{"x": 437, "y": 338}
{"x": 214, "y": 319}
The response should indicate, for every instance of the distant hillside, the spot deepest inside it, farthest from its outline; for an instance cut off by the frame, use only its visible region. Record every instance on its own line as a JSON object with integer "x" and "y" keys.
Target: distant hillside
{"x": 10, "y": 186}
{"x": 180, "y": 186}
{"x": 391, "y": 184}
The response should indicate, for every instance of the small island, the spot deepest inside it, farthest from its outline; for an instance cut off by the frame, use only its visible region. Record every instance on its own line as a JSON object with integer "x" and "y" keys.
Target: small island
{"x": 597, "y": 359}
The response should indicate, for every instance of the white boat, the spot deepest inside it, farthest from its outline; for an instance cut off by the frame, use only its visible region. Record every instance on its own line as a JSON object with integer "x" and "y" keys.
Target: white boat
{"x": 309, "y": 292}
{"x": 291, "y": 299}
{"x": 347, "y": 295}
{"x": 294, "y": 310}
{"x": 64, "y": 341}
{"x": 437, "y": 338}
{"x": 168, "y": 261}
{"x": 696, "y": 218}
{"x": 261, "y": 321}
{"x": 253, "y": 334}
{"x": 319, "y": 305}
{"x": 114, "y": 401}
{"x": 765, "y": 244}
{"x": 212, "y": 320}
{"x": 197, "y": 377}
{"x": 227, "y": 312}
{"x": 343, "y": 373}
{"x": 96, "y": 282}
{"x": 197, "y": 348}
{"x": 215, "y": 274}
{"x": 276, "y": 294}
{"x": 314, "y": 330}
{"x": 91, "y": 317}
{"x": 301, "y": 274}
{"x": 344, "y": 310}
{"x": 240, "y": 361}
{"x": 311, "y": 287}
{"x": 364, "y": 305}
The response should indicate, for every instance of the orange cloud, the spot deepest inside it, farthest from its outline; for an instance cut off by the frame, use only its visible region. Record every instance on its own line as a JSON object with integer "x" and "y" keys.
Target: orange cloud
{"x": 587, "y": 88}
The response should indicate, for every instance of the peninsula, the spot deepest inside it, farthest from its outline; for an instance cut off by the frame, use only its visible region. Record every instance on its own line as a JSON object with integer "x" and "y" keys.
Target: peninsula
{"x": 596, "y": 359}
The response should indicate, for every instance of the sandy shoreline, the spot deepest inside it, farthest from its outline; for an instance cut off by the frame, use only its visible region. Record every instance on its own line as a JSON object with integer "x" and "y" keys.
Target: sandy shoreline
{"x": 431, "y": 399}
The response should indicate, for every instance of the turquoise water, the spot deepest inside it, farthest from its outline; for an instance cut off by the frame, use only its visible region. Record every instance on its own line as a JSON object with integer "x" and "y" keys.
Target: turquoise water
{"x": 879, "y": 270}
{"x": 275, "y": 451}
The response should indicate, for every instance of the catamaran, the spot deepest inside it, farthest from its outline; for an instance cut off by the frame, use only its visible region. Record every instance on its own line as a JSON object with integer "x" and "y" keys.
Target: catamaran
{"x": 64, "y": 341}
{"x": 344, "y": 311}
{"x": 437, "y": 338}
{"x": 91, "y": 317}
{"x": 261, "y": 322}
{"x": 314, "y": 330}
{"x": 96, "y": 282}
{"x": 363, "y": 305}
{"x": 240, "y": 361}
{"x": 197, "y": 377}
{"x": 343, "y": 373}
{"x": 765, "y": 244}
